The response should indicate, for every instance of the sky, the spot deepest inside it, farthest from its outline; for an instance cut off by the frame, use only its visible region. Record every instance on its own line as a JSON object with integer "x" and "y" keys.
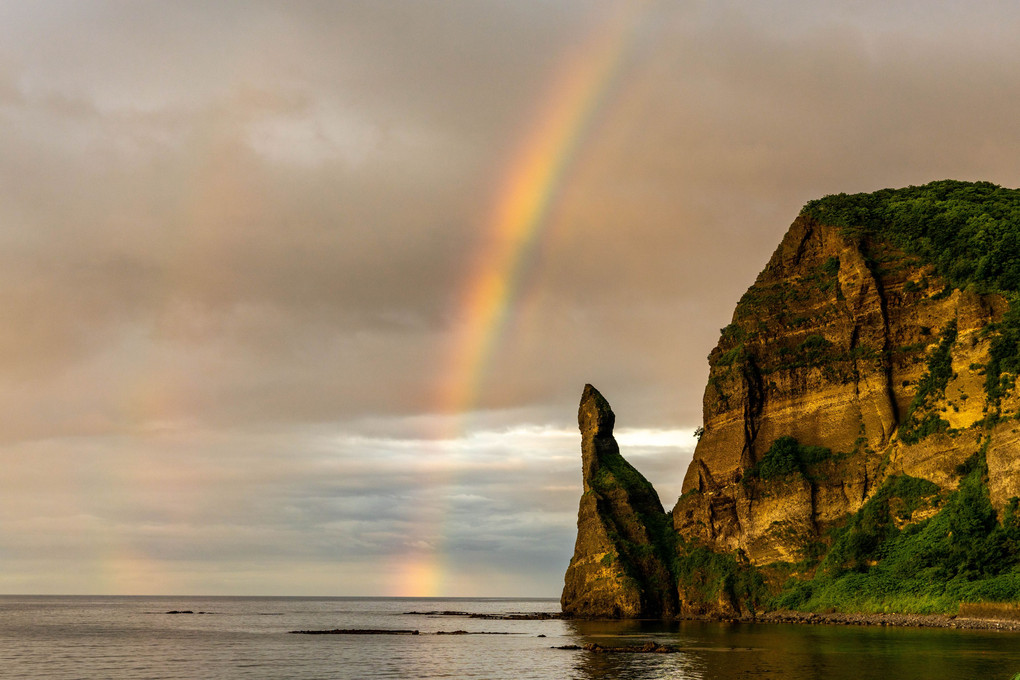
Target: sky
{"x": 299, "y": 298}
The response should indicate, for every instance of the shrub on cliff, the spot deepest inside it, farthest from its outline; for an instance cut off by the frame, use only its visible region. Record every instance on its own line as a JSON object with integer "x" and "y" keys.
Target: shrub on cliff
{"x": 787, "y": 456}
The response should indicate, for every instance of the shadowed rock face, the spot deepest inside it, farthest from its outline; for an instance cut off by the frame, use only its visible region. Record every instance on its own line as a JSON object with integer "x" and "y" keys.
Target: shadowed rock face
{"x": 620, "y": 565}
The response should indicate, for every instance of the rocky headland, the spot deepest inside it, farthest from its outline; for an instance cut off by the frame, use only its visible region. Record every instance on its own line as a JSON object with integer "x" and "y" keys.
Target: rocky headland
{"x": 859, "y": 451}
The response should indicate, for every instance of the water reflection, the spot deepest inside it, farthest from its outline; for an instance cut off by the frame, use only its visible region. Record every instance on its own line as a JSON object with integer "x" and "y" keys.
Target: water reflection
{"x": 721, "y": 651}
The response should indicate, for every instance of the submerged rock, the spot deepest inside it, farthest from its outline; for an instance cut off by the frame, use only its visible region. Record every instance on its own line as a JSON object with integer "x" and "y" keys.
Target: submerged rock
{"x": 354, "y": 631}
{"x": 647, "y": 648}
{"x": 511, "y": 616}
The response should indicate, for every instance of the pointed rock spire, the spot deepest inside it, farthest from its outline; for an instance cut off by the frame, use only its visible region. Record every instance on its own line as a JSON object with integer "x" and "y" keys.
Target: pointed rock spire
{"x": 619, "y": 568}
{"x": 595, "y": 419}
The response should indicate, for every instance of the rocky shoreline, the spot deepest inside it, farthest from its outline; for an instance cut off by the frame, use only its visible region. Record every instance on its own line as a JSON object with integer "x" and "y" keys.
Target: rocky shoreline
{"x": 899, "y": 620}
{"x": 843, "y": 619}
{"x": 391, "y": 631}
{"x": 355, "y": 631}
{"x": 784, "y": 616}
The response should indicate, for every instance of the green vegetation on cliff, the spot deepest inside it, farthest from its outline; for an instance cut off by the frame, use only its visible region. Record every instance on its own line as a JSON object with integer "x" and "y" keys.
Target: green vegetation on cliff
{"x": 637, "y": 551}
{"x": 970, "y": 233}
{"x": 912, "y": 548}
{"x": 719, "y": 577}
{"x": 919, "y": 421}
{"x": 881, "y": 561}
{"x": 1004, "y": 361}
{"x": 786, "y": 456}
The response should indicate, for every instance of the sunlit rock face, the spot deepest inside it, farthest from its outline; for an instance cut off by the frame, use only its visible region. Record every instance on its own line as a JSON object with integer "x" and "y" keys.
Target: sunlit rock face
{"x": 620, "y": 565}
{"x": 828, "y": 347}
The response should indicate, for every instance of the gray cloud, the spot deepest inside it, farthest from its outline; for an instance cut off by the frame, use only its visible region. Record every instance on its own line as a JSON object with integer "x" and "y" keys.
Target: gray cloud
{"x": 233, "y": 239}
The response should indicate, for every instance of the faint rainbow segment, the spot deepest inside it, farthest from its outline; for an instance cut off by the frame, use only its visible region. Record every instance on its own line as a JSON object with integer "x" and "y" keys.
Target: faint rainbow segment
{"x": 577, "y": 92}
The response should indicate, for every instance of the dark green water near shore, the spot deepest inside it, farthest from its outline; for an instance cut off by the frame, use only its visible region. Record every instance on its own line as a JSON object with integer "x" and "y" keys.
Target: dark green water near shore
{"x": 716, "y": 651}
{"x": 136, "y": 638}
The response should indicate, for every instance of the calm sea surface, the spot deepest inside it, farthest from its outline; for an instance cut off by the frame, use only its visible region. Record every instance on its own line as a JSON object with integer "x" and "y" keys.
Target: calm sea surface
{"x": 134, "y": 637}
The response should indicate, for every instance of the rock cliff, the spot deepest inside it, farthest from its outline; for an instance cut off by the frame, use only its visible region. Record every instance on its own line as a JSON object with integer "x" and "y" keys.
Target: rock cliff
{"x": 860, "y": 407}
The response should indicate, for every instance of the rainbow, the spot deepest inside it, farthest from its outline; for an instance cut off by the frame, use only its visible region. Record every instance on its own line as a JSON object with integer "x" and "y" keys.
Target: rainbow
{"x": 575, "y": 96}
{"x": 524, "y": 199}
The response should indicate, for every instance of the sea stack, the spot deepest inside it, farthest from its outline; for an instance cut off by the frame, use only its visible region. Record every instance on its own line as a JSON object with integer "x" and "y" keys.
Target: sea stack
{"x": 620, "y": 565}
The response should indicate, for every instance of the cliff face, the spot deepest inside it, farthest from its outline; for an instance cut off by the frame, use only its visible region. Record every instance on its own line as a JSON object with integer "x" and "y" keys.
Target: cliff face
{"x": 621, "y": 560}
{"x": 862, "y": 394}
{"x": 828, "y": 347}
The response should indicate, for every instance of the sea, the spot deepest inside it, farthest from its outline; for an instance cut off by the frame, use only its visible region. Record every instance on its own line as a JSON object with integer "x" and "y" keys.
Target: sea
{"x": 249, "y": 637}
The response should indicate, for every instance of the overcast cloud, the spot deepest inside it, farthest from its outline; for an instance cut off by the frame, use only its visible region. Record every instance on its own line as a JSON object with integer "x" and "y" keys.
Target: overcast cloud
{"x": 234, "y": 237}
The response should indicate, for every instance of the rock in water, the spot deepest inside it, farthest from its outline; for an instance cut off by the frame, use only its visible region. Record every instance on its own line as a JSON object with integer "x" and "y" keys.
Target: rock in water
{"x": 620, "y": 565}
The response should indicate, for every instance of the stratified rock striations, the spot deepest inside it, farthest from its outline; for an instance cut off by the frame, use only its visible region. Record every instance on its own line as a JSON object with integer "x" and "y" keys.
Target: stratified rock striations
{"x": 860, "y": 423}
{"x": 828, "y": 347}
{"x": 620, "y": 559}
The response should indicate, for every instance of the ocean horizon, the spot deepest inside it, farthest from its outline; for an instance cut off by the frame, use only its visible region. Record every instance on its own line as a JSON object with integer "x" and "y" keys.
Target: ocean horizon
{"x": 139, "y": 637}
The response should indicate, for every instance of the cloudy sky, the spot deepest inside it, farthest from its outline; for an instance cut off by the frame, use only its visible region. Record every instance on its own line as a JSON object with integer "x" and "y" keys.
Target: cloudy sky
{"x": 299, "y": 297}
